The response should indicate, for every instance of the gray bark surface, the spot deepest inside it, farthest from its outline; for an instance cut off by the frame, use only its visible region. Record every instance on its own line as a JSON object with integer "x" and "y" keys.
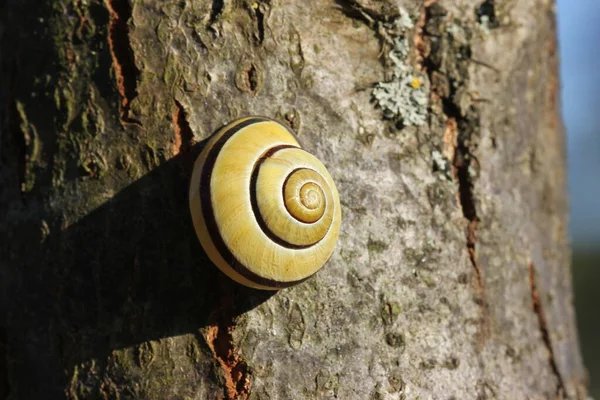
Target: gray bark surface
{"x": 451, "y": 278}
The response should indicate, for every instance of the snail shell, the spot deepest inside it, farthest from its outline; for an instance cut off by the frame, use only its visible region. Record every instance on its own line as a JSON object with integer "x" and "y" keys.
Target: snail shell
{"x": 266, "y": 212}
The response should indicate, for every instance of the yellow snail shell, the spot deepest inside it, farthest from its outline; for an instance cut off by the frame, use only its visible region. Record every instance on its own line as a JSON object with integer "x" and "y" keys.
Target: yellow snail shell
{"x": 266, "y": 212}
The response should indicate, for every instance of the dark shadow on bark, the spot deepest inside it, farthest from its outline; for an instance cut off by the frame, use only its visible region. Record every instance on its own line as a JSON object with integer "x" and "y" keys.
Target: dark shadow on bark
{"x": 131, "y": 271}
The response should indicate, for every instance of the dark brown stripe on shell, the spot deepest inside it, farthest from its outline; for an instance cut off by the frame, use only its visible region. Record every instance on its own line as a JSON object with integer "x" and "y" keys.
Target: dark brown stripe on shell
{"x": 209, "y": 216}
{"x": 254, "y": 201}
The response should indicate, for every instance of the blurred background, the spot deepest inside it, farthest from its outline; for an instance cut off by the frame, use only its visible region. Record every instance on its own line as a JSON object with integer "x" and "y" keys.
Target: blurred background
{"x": 579, "y": 44}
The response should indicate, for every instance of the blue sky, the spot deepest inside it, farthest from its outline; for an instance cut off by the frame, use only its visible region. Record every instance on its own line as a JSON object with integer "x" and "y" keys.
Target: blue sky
{"x": 579, "y": 45}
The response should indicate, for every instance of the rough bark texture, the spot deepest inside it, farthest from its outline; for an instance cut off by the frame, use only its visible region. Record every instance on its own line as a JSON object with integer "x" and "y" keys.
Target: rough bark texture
{"x": 451, "y": 277}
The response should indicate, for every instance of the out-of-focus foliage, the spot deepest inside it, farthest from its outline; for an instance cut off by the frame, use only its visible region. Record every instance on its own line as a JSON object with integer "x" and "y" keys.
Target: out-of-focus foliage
{"x": 578, "y": 34}
{"x": 586, "y": 273}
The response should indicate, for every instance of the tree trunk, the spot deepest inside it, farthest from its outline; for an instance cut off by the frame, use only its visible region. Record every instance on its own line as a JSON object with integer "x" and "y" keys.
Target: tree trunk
{"x": 439, "y": 123}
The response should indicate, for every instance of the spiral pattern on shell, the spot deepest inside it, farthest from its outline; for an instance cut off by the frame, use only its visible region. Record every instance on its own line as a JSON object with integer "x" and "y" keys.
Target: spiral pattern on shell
{"x": 266, "y": 211}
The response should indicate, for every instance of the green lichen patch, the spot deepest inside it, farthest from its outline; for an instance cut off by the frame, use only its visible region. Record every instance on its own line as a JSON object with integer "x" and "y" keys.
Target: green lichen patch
{"x": 395, "y": 339}
{"x": 327, "y": 383}
{"x": 451, "y": 363}
{"x": 390, "y": 311}
{"x": 428, "y": 364}
{"x": 427, "y": 252}
{"x": 396, "y": 383}
{"x": 376, "y": 246}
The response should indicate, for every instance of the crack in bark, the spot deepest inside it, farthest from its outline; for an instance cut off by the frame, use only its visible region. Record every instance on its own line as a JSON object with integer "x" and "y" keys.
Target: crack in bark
{"x": 79, "y": 10}
{"x": 259, "y": 14}
{"x": 122, "y": 55}
{"x": 463, "y": 123}
{"x": 219, "y": 338}
{"x": 461, "y": 164}
{"x": 184, "y": 137}
{"x": 369, "y": 12}
{"x": 252, "y": 78}
{"x": 216, "y": 10}
{"x": 447, "y": 77}
{"x": 536, "y": 306}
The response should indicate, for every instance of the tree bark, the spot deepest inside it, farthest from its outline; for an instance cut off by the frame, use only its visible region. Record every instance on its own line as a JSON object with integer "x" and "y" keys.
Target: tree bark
{"x": 439, "y": 122}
